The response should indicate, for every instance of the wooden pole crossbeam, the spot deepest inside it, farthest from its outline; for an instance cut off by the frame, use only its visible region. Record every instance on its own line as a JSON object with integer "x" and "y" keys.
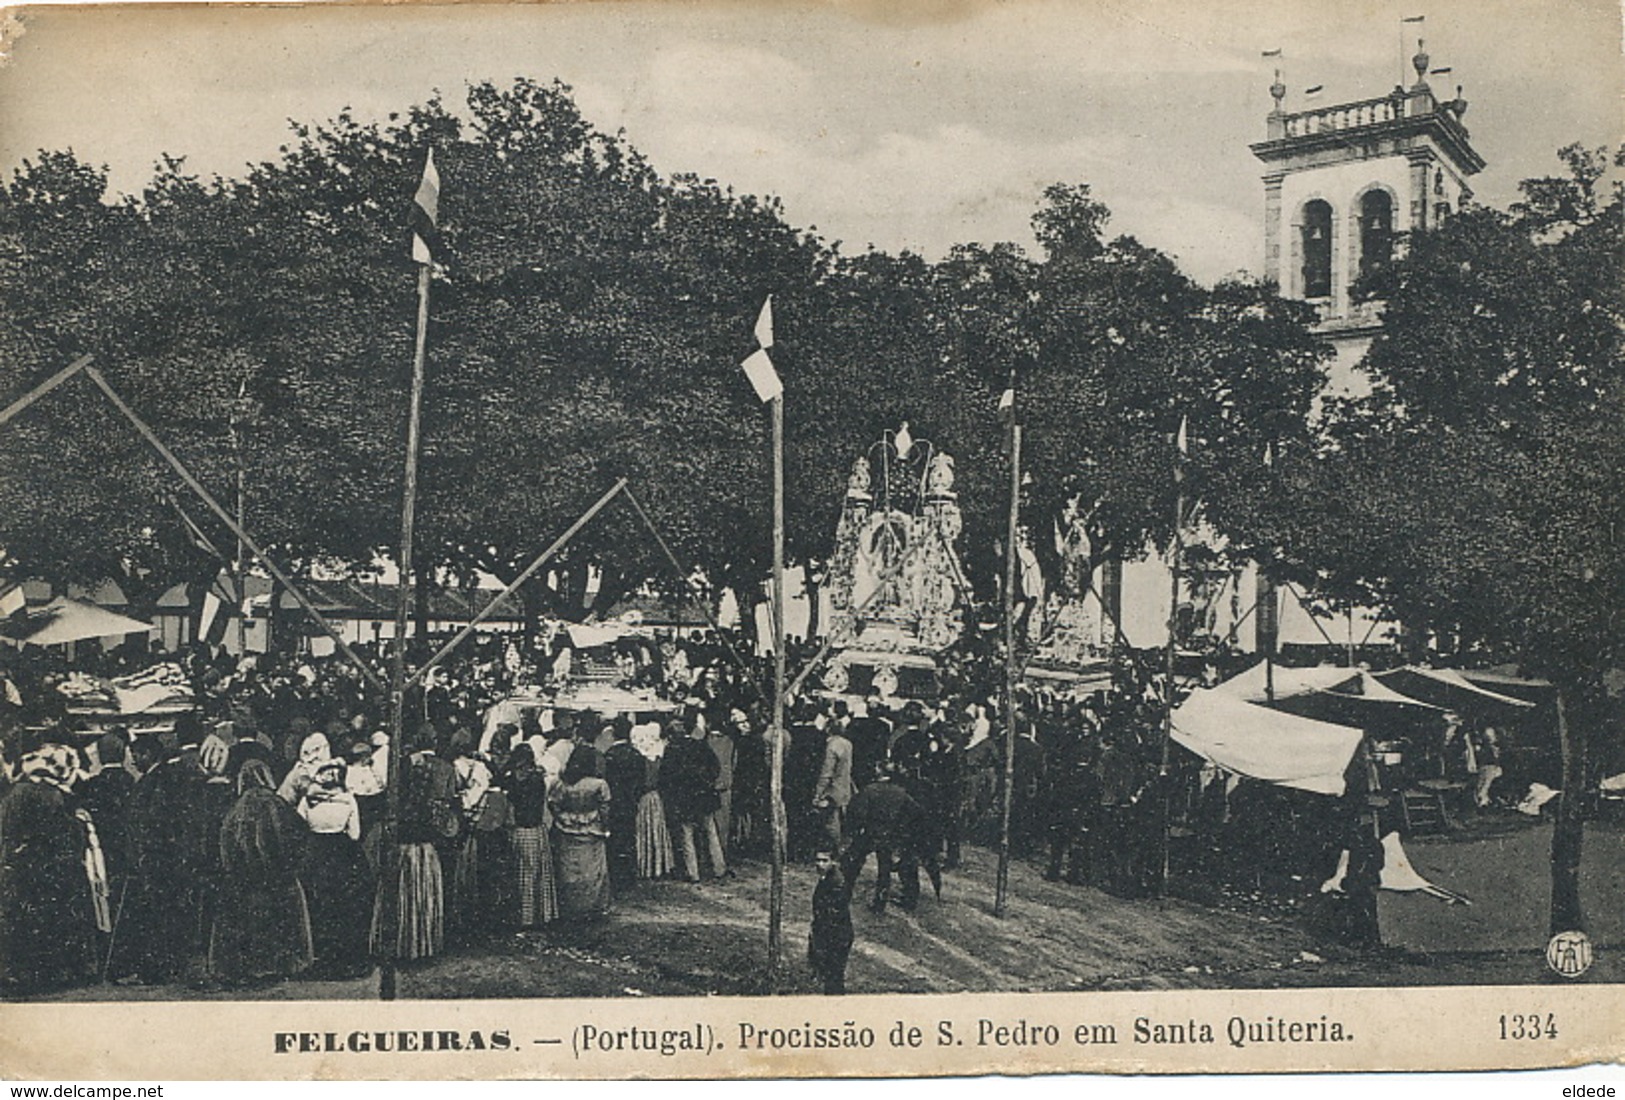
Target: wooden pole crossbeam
{"x": 44, "y": 388}
{"x": 530, "y": 570}
{"x": 225, "y": 517}
{"x": 688, "y": 589}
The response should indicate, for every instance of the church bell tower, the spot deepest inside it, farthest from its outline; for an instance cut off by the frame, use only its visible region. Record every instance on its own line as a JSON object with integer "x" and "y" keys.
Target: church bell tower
{"x": 1344, "y": 184}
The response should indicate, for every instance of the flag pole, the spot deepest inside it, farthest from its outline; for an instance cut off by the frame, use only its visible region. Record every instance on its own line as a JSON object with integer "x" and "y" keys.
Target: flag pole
{"x": 240, "y": 563}
{"x": 1001, "y": 889}
{"x": 764, "y": 379}
{"x": 1166, "y": 795}
{"x": 403, "y": 609}
{"x": 775, "y": 919}
{"x": 427, "y": 201}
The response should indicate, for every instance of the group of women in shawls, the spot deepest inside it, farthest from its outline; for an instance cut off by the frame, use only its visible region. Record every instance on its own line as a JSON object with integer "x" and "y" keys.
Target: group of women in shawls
{"x": 219, "y": 873}
{"x": 53, "y": 882}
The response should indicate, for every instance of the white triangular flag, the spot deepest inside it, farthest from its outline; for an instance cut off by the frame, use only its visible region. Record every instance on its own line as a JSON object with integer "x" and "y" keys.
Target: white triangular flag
{"x": 206, "y": 616}
{"x": 765, "y": 380}
{"x": 764, "y": 324}
{"x": 12, "y": 600}
{"x": 1180, "y": 440}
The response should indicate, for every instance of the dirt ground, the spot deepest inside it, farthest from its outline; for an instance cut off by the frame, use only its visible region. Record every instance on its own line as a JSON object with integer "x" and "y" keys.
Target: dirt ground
{"x": 673, "y": 938}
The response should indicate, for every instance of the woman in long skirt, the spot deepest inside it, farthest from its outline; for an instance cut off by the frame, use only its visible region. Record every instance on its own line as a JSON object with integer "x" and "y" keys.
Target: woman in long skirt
{"x": 409, "y": 920}
{"x": 580, "y": 805}
{"x": 463, "y": 912}
{"x": 262, "y": 926}
{"x": 653, "y": 838}
{"x": 337, "y": 877}
{"x": 526, "y": 785}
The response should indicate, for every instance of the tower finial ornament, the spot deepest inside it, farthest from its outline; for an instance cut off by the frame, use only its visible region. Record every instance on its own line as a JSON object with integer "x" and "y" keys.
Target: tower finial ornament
{"x": 1420, "y": 64}
{"x": 1278, "y": 91}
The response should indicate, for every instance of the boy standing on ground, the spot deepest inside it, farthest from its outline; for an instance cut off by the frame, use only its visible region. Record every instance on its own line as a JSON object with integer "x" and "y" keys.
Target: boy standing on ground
{"x": 830, "y": 941}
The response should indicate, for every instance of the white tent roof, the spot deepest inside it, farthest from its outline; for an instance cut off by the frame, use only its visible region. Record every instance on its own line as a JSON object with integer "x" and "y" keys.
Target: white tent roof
{"x": 66, "y": 619}
{"x": 1266, "y": 744}
{"x": 1454, "y": 679}
{"x": 1250, "y": 684}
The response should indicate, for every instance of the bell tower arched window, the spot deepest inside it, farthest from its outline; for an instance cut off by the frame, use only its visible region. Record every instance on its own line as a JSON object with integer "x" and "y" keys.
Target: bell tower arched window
{"x": 1376, "y": 230}
{"x": 1317, "y": 249}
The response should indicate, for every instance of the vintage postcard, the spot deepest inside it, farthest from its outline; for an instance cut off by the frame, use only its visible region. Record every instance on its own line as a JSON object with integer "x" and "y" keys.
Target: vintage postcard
{"x": 632, "y": 539}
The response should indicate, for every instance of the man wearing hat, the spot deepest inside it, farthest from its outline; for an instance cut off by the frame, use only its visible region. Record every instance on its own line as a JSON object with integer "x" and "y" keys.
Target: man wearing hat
{"x": 884, "y": 819}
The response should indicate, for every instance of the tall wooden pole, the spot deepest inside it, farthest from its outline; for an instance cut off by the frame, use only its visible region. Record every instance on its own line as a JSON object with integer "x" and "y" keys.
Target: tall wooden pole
{"x": 1568, "y": 834}
{"x": 1164, "y": 793}
{"x": 775, "y": 919}
{"x": 1001, "y": 889}
{"x": 397, "y": 668}
{"x": 1267, "y": 627}
{"x": 240, "y": 563}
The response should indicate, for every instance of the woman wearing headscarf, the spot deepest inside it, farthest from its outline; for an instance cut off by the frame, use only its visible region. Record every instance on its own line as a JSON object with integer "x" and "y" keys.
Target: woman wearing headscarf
{"x": 53, "y": 883}
{"x": 580, "y": 805}
{"x": 526, "y": 785}
{"x": 652, "y": 839}
{"x": 262, "y": 926}
{"x": 314, "y": 751}
{"x": 338, "y": 880}
{"x": 464, "y": 913}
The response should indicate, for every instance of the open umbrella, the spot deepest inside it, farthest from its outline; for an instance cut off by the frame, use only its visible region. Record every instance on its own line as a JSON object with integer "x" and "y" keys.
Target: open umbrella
{"x": 66, "y": 619}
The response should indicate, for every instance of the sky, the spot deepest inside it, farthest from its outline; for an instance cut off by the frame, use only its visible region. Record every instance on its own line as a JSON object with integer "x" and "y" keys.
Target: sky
{"x": 915, "y": 124}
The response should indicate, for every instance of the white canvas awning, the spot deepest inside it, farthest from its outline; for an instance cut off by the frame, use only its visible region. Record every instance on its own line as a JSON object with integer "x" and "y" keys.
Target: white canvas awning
{"x": 66, "y": 619}
{"x": 1446, "y": 687}
{"x": 1261, "y": 743}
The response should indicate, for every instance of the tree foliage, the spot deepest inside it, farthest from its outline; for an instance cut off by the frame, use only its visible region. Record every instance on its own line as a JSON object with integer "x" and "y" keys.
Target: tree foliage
{"x": 588, "y": 316}
{"x": 1479, "y": 492}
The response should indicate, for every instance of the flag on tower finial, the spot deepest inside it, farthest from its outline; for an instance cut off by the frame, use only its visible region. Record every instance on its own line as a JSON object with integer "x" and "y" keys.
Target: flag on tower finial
{"x": 903, "y": 441}
{"x": 1413, "y": 19}
{"x": 426, "y": 210}
{"x": 1273, "y": 53}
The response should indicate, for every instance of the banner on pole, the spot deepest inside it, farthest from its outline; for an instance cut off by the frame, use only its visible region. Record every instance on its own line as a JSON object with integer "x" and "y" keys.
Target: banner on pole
{"x": 764, "y": 324}
{"x": 426, "y": 213}
{"x": 763, "y": 378}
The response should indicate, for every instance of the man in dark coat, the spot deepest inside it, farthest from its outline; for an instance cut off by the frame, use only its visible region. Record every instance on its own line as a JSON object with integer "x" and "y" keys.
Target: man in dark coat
{"x": 106, "y": 795}
{"x": 870, "y": 734}
{"x": 1073, "y": 799}
{"x": 830, "y": 940}
{"x": 688, "y": 778}
{"x": 885, "y": 820}
{"x": 623, "y": 770}
{"x": 48, "y": 914}
{"x": 175, "y": 844}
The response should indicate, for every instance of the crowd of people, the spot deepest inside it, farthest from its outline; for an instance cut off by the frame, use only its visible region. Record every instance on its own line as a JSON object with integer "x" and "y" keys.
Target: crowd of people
{"x": 247, "y": 841}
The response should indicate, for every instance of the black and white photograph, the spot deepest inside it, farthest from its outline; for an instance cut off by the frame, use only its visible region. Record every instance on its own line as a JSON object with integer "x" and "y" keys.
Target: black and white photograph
{"x": 632, "y": 501}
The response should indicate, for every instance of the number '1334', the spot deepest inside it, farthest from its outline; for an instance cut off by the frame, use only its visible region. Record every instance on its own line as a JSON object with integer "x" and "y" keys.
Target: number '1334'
{"x": 1533, "y": 1026}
